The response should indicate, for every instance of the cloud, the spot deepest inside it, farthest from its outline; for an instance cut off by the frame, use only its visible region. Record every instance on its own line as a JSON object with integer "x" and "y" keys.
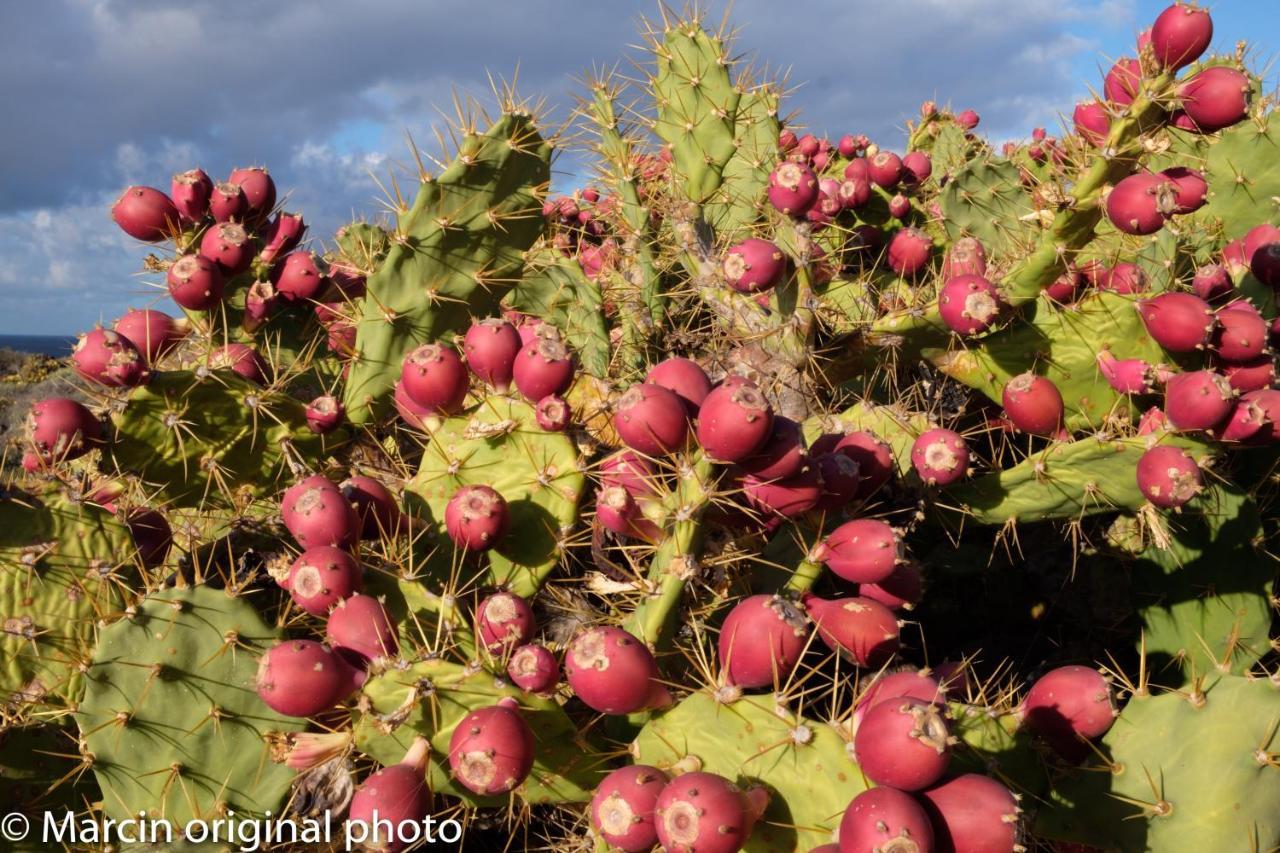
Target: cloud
{"x": 103, "y": 93}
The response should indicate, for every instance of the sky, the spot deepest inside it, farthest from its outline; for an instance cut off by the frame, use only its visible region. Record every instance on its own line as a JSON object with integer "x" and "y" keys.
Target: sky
{"x": 100, "y": 94}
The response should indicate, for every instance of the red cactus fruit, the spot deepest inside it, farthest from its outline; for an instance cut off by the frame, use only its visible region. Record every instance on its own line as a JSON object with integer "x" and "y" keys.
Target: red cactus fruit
{"x": 152, "y": 333}
{"x": 195, "y": 282}
{"x": 301, "y": 678}
{"x": 863, "y": 630}
{"x": 622, "y": 808}
{"x": 906, "y": 683}
{"x": 754, "y": 265}
{"x": 965, "y": 257}
{"x": 967, "y": 119}
{"x": 61, "y": 429}
{"x": 240, "y": 359}
{"x": 259, "y": 191}
{"x": 1191, "y": 190}
{"x": 631, "y": 471}
{"x": 940, "y": 457}
{"x": 434, "y": 377}
{"x": 324, "y": 414}
{"x": 1139, "y": 203}
{"x": 227, "y": 202}
{"x": 534, "y": 668}
{"x": 1259, "y": 236}
{"x": 553, "y": 413}
{"x": 617, "y": 510}
{"x": 491, "y": 346}
{"x": 973, "y": 813}
{"x": 1212, "y": 281}
{"x": 316, "y": 513}
{"x": 108, "y": 358}
{"x": 613, "y": 672}
{"x": 1126, "y": 375}
{"x": 1265, "y": 264}
{"x": 651, "y": 420}
{"x": 391, "y": 797}
{"x": 875, "y": 461}
{"x": 734, "y": 422}
{"x": 375, "y": 506}
{"x": 685, "y": 378}
{"x": 298, "y": 277}
{"x": 1179, "y": 322}
{"x": 145, "y": 213}
{"x": 1123, "y": 82}
{"x": 1252, "y": 375}
{"x": 917, "y": 168}
{"x": 1241, "y": 334}
{"x": 1168, "y": 476}
{"x": 899, "y": 206}
{"x": 1247, "y": 419}
{"x": 1180, "y": 34}
{"x": 1123, "y": 278}
{"x": 1216, "y": 98}
{"x": 1199, "y": 400}
{"x": 903, "y": 743}
{"x": 762, "y": 641}
{"x": 787, "y": 498}
{"x": 360, "y": 627}
{"x": 476, "y": 518}
{"x": 909, "y": 251}
{"x": 782, "y": 455}
{"x": 492, "y": 749}
{"x": 1033, "y": 403}
{"x": 793, "y": 188}
{"x": 190, "y": 193}
{"x": 229, "y": 246}
{"x": 969, "y": 304}
{"x": 902, "y": 590}
{"x": 544, "y": 367}
{"x": 705, "y": 813}
{"x": 1070, "y": 702}
{"x": 282, "y": 235}
{"x": 885, "y": 819}
{"x": 1093, "y": 122}
{"x": 504, "y": 621}
{"x": 855, "y": 189}
{"x": 151, "y": 534}
{"x": 864, "y": 550}
{"x": 321, "y": 577}
{"x": 885, "y": 169}
{"x": 1064, "y": 288}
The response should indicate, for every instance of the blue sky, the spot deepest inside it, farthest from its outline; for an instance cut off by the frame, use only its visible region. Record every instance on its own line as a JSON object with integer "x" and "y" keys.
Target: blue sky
{"x": 103, "y": 93}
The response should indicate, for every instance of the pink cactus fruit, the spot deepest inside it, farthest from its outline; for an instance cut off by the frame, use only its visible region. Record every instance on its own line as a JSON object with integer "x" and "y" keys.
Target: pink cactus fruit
{"x": 259, "y": 191}
{"x": 544, "y": 367}
{"x": 864, "y": 550}
{"x": 109, "y": 358}
{"x": 1241, "y": 334}
{"x": 683, "y": 377}
{"x": 734, "y": 422}
{"x": 1139, "y": 203}
{"x": 940, "y": 457}
{"x": 241, "y": 359}
{"x": 860, "y": 629}
{"x": 1069, "y": 703}
{"x": 1092, "y": 122}
{"x": 227, "y": 202}
{"x": 321, "y": 577}
{"x": 612, "y": 672}
{"x": 1216, "y": 98}
{"x": 1123, "y": 81}
{"x": 301, "y": 678}
{"x": 634, "y": 473}
{"x": 622, "y": 808}
{"x": 1199, "y": 400}
{"x": 762, "y": 641}
{"x": 885, "y": 169}
{"x": 534, "y": 668}
{"x": 705, "y": 813}
{"x": 906, "y": 683}
{"x": 1191, "y": 190}
{"x": 61, "y": 429}
{"x": 504, "y": 621}
{"x": 1211, "y": 282}
{"x": 651, "y": 420}
{"x": 793, "y": 188}
{"x": 782, "y": 455}
{"x": 324, "y": 414}
{"x": 967, "y": 119}
{"x": 965, "y": 257}
{"x": 1180, "y": 34}
{"x": 902, "y": 590}
{"x": 190, "y": 192}
{"x": 476, "y": 518}
{"x": 375, "y": 506}
{"x": 553, "y": 413}
{"x": 298, "y": 278}
{"x": 1168, "y": 476}
{"x": 145, "y": 213}
{"x": 909, "y": 252}
{"x": 969, "y": 304}
{"x": 360, "y": 627}
{"x": 195, "y": 282}
{"x": 1179, "y": 322}
{"x": 391, "y": 797}
{"x": 284, "y": 233}
{"x": 492, "y": 749}
{"x": 903, "y": 743}
{"x": 754, "y": 265}
{"x": 229, "y": 246}
{"x": 316, "y": 513}
{"x": 885, "y": 819}
{"x": 786, "y": 498}
{"x": 1126, "y": 375}
{"x": 1034, "y": 404}
{"x": 153, "y": 333}
{"x": 434, "y": 377}
{"x": 917, "y": 167}
{"x": 491, "y": 346}
{"x": 973, "y": 813}
{"x": 152, "y": 535}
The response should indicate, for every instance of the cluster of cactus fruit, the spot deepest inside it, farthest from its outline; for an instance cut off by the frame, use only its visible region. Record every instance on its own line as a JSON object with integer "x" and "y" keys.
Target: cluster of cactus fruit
{"x": 624, "y": 516}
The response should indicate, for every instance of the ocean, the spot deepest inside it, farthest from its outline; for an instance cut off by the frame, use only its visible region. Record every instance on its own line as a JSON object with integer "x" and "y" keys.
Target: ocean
{"x": 58, "y": 346}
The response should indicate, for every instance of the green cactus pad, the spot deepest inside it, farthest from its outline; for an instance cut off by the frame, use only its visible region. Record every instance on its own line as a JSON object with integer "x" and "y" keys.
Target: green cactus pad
{"x": 1198, "y": 775}
{"x": 1244, "y": 186}
{"x": 62, "y": 568}
{"x": 171, "y": 714}
{"x": 453, "y": 255}
{"x": 363, "y": 245}
{"x": 423, "y": 619}
{"x": 891, "y": 424}
{"x": 986, "y": 200}
{"x": 561, "y": 294}
{"x": 40, "y": 772}
{"x": 431, "y": 697}
{"x": 992, "y": 744}
{"x": 499, "y": 444}
{"x": 216, "y": 437}
{"x": 738, "y": 204}
{"x": 1066, "y": 480}
{"x": 803, "y": 763}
